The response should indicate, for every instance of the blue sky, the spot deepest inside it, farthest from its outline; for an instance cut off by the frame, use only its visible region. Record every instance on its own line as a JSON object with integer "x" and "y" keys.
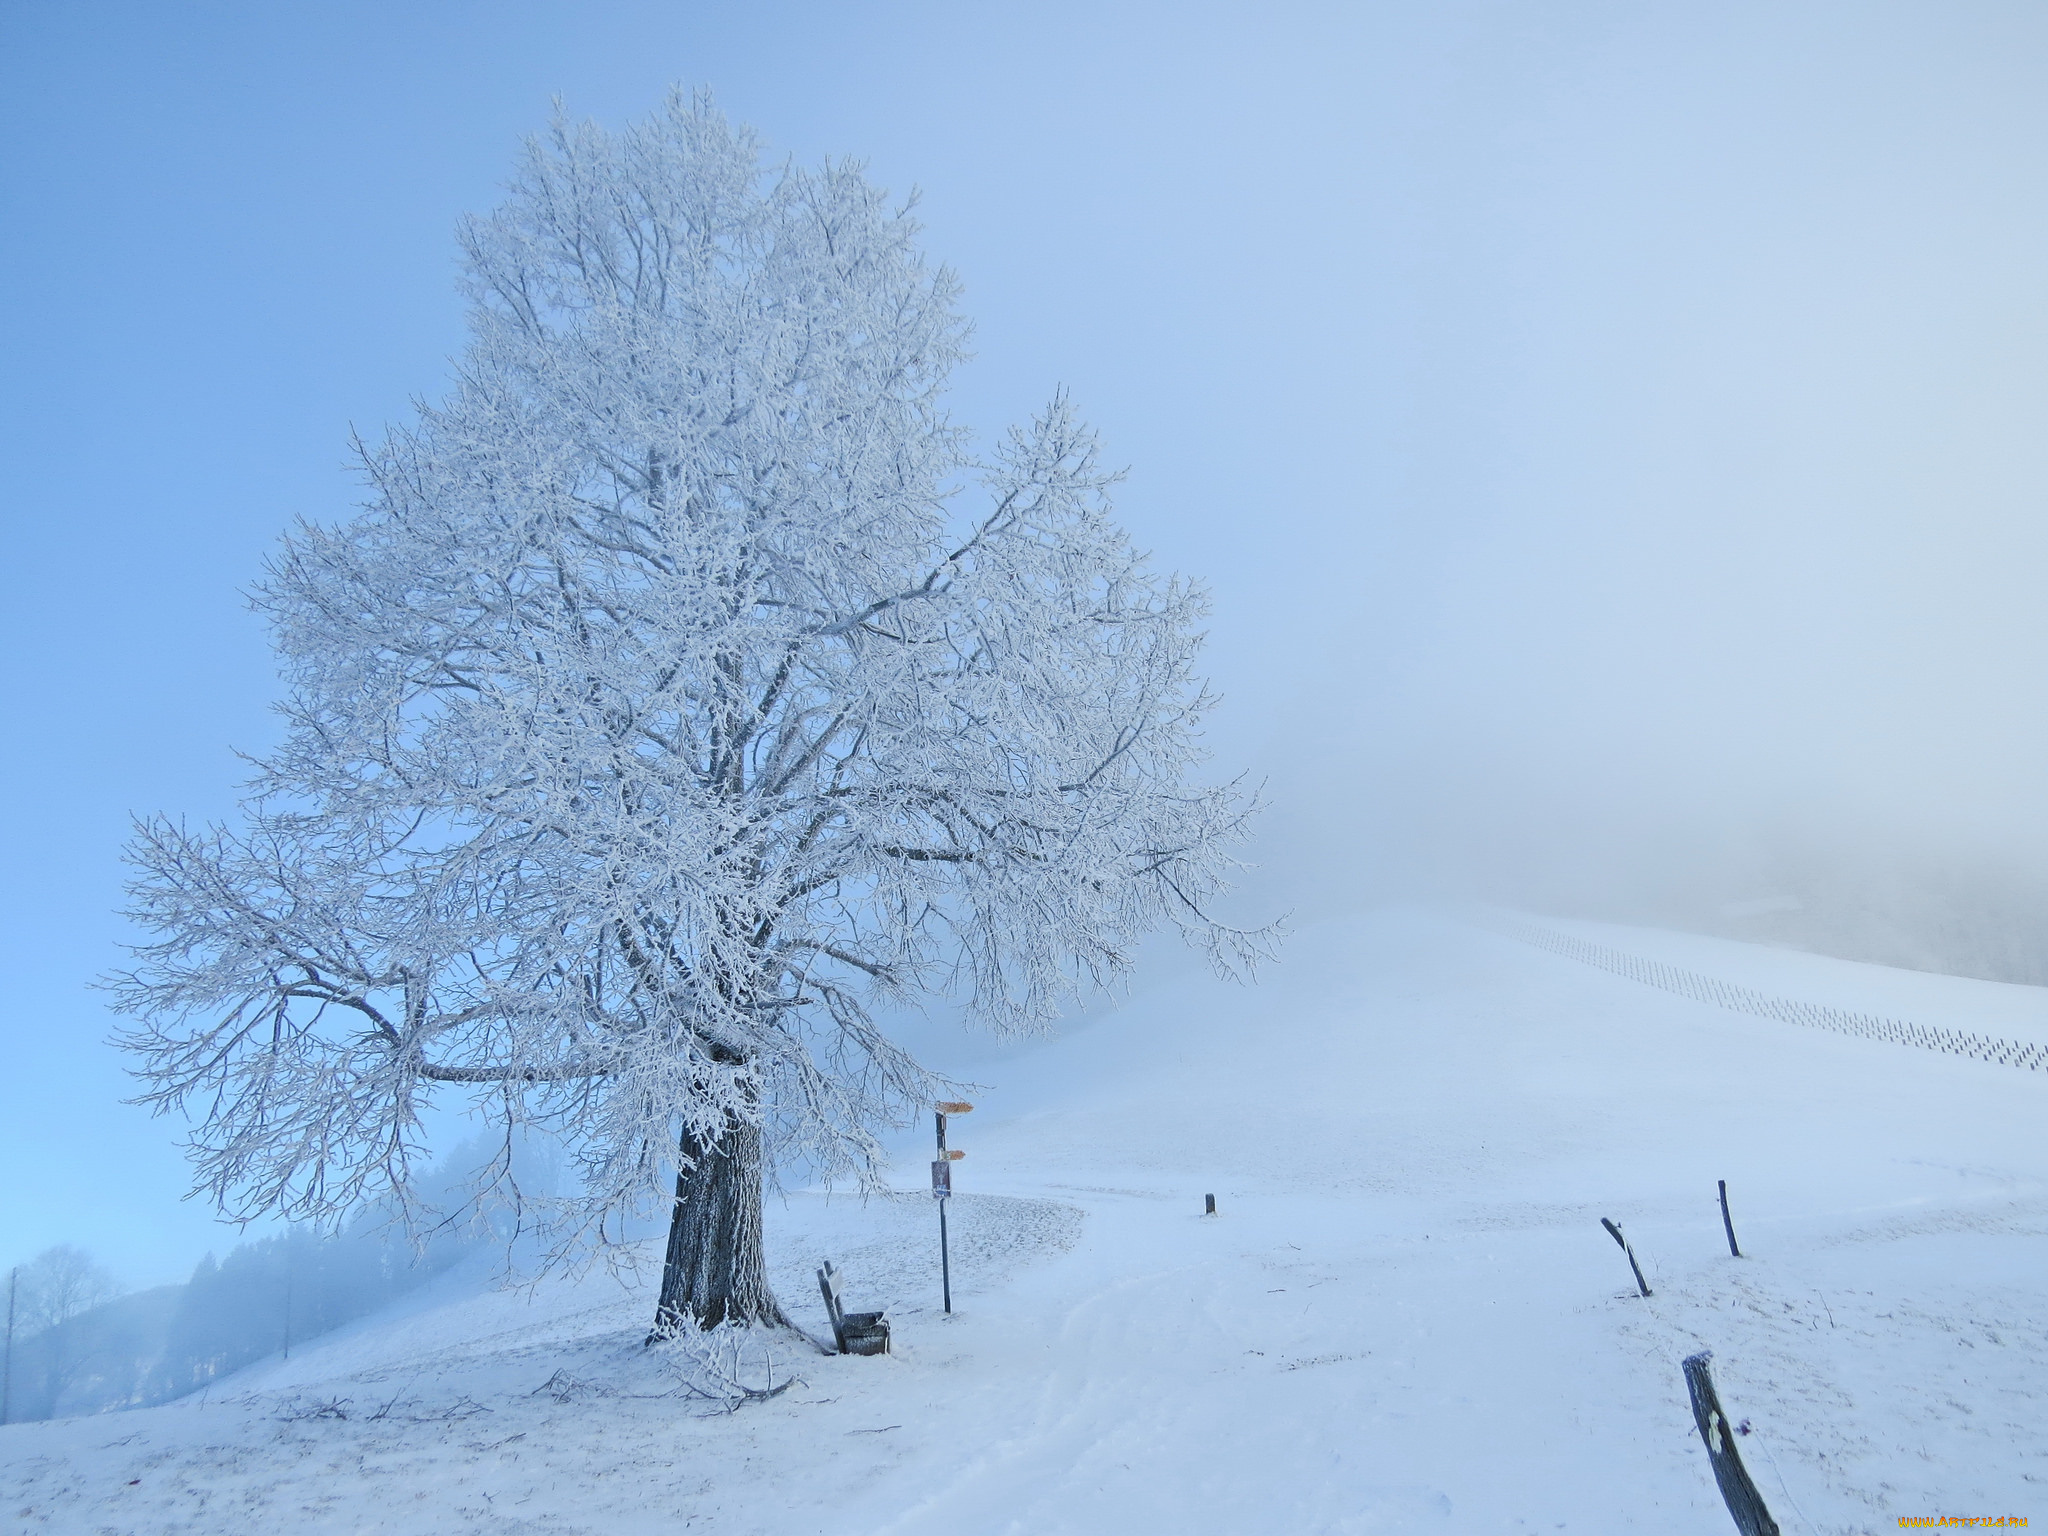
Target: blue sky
{"x": 1605, "y": 427}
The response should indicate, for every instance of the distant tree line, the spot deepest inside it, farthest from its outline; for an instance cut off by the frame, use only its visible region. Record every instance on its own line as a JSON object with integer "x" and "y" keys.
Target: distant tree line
{"x": 77, "y": 1345}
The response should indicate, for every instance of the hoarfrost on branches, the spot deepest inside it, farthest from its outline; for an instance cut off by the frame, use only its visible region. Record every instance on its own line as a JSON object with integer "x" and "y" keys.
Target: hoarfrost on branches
{"x": 685, "y": 689}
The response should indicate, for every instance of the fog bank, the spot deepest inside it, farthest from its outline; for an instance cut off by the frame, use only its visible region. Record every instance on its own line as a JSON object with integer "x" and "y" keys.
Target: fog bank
{"x": 1707, "y": 560}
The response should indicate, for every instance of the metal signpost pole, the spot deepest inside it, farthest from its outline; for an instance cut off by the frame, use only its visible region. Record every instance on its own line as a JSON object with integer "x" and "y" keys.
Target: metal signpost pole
{"x": 943, "y": 1170}
{"x": 942, "y": 1190}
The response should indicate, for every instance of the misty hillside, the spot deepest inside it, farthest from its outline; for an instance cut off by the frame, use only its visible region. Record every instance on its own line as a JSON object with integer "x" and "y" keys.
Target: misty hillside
{"x": 166, "y": 1342}
{"x": 1405, "y": 1316}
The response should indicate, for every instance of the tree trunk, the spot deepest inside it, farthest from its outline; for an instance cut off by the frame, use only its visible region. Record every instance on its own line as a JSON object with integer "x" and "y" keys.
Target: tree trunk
{"x": 716, "y": 1270}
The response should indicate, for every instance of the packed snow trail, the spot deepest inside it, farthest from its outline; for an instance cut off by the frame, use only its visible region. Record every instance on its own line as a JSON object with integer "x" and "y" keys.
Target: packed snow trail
{"x": 1406, "y": 1316}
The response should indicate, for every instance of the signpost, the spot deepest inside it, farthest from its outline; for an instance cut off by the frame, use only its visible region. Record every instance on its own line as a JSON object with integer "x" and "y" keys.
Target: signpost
{"x": 942, "y": 1189}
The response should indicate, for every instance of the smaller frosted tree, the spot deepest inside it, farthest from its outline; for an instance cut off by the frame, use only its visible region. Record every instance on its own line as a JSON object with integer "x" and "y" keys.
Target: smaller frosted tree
{"x": 57, "y": 1285}
{"x": 684, "y": 690}
{"x": 49, "y": 1293}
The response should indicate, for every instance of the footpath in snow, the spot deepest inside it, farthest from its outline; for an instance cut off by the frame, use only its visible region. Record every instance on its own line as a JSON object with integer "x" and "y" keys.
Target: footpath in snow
{"x": 1406, "y": 1316}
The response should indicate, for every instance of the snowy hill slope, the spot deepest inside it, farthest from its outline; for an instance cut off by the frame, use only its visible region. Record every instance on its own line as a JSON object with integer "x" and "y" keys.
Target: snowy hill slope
{"x": 1406, "y": 1317}
{"x": 1994, "y": 1009}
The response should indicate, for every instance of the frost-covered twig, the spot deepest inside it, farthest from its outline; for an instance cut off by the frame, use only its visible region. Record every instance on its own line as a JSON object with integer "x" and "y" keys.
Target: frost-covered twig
{"x": 564, "y": 1388}
{"x": 730, "y": 1365}
{"x": 330, "y": 1408}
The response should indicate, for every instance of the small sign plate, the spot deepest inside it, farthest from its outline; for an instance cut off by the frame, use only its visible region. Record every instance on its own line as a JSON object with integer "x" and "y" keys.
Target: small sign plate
{"x": 942, "y": 1180}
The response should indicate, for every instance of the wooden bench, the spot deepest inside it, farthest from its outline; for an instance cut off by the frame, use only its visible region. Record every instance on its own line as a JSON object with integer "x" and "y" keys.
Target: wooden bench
{"x": 856, "y": 1333}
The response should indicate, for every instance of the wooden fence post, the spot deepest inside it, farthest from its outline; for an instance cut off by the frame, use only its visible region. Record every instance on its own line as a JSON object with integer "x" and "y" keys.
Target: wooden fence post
{"x": 1737, "y": 1491}
{"x": 1728, "y": 1225}
{"x": 1615, "y": 1232}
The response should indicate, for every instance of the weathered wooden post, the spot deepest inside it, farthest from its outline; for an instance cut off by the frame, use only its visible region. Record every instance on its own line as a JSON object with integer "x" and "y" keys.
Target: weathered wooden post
{"x": 1727, "y": 1225}
{"x": 942, "y": 1191}
{"x": 1210, "y": 1203}
{"x": 1615, "y": 1232}
{"x": 1744, "y": 1503}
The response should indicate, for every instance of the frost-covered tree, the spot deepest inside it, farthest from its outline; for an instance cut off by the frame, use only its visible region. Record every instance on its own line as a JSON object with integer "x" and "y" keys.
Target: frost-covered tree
{"x": 58, "y": 1284}
{"x": 45, "y": 1348}
{"x": 685, "y": 689}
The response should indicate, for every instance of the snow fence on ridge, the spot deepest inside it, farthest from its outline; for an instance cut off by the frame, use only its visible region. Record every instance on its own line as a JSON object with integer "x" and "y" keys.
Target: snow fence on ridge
{"x": 1738, "y": 999}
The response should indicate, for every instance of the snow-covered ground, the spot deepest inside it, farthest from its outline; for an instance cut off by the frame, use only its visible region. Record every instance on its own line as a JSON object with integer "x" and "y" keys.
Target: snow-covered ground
{"x": 1406, "y": 1316}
